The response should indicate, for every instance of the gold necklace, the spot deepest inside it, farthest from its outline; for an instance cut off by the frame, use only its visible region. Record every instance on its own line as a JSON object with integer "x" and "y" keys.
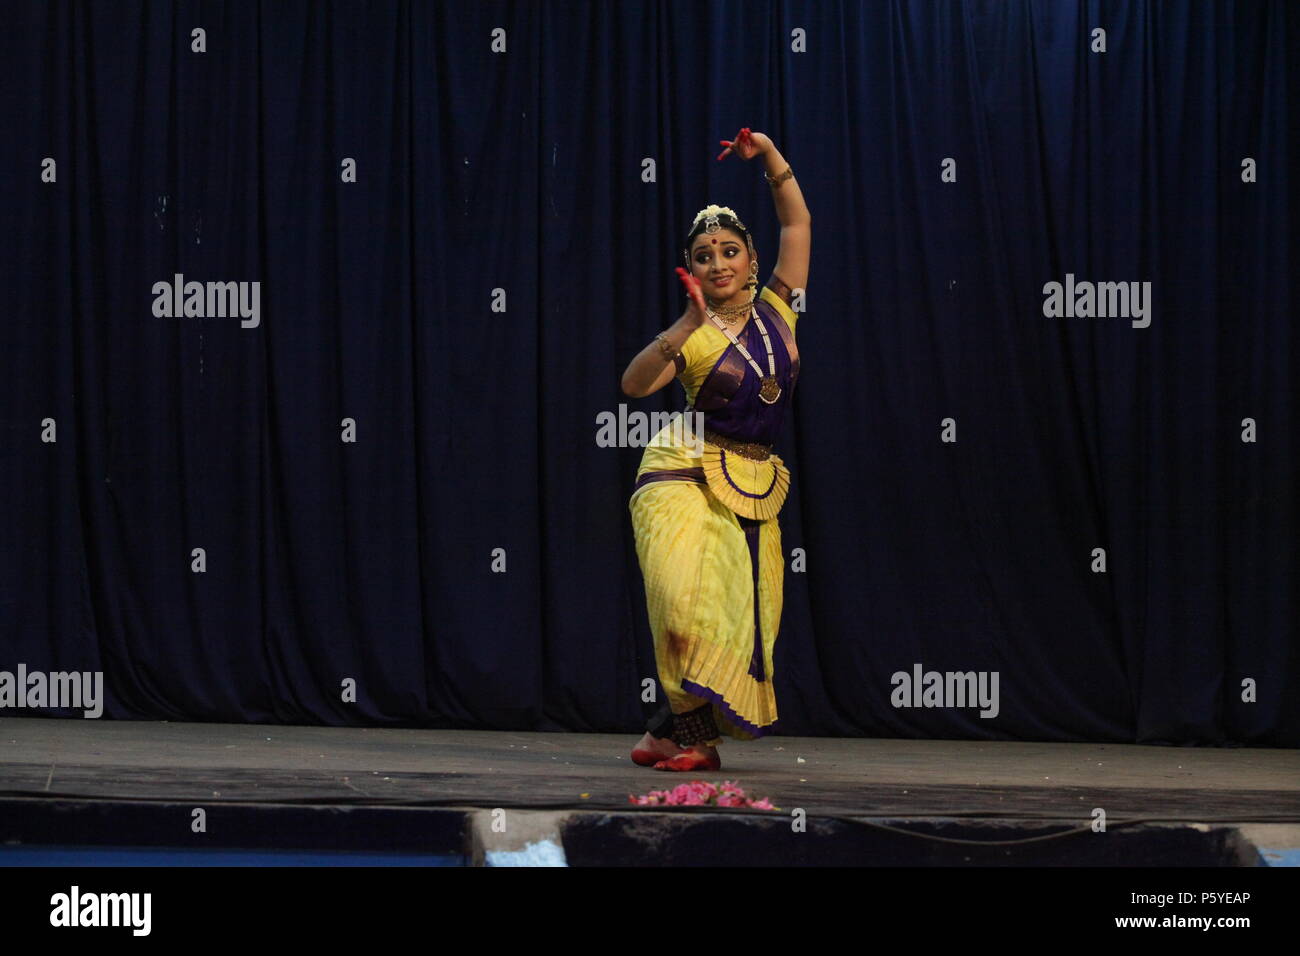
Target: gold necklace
{"x": 730, "y": 313}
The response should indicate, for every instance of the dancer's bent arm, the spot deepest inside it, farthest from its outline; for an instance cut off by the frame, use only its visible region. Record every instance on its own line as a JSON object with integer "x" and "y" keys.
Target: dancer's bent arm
{"x": 651, "y": 370}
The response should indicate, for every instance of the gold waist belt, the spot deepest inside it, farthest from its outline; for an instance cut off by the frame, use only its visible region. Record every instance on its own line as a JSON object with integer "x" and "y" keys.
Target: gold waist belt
{"x": 745, "y": 449}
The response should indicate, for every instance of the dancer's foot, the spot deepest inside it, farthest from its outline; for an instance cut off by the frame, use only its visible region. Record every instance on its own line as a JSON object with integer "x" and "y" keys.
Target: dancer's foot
{"x": 650, "y": 750}
{"x": 699, "y": 757}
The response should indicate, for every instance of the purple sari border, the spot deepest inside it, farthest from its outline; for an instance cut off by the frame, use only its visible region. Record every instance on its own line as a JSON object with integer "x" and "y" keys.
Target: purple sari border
{"x": 753, "y": 531}
{"x": 708, "y": 693}
{"x": 787, "y": 336}
{"x": 669, "y": 474}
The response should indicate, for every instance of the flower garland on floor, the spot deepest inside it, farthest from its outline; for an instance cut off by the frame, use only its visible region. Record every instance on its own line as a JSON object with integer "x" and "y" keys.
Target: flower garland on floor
{"x": 700, "y": 793}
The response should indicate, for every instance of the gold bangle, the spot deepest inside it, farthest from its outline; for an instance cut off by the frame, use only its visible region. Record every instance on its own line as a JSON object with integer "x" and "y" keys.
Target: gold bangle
{"x": 776, "y": 183}
{"x": 665, "y": 347}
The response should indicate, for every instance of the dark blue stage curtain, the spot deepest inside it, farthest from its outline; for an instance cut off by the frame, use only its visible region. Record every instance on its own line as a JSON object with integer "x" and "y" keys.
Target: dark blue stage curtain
{"x": 470, "y": 301}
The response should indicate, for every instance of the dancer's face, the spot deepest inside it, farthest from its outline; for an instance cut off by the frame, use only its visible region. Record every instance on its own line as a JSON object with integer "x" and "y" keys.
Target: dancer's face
{"x": 718, "y": 257}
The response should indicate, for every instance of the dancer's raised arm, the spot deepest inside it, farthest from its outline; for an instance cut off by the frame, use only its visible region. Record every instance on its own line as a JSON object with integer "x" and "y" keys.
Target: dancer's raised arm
{"x": 791, "y": 270}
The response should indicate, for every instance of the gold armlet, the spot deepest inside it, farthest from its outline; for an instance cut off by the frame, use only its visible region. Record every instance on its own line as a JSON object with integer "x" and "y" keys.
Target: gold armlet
{"x": 776, "y": 183}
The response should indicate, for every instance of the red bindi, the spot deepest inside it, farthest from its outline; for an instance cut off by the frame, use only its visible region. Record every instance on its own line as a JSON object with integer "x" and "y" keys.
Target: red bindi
{"x": 715, "y": 242}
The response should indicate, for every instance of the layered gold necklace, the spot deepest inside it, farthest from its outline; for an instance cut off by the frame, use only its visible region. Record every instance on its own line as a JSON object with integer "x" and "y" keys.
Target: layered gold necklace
{"x": 731, "y": 314}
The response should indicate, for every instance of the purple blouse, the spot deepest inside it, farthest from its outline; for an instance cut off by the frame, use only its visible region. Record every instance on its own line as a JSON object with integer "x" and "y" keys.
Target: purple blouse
{"x": 728, "y": 396}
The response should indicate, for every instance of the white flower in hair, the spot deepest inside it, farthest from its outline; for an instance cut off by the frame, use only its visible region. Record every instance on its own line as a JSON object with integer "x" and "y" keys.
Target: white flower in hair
{"x": 710, "y": 213}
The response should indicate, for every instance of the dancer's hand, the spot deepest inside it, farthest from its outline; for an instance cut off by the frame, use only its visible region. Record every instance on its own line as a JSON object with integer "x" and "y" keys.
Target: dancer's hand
{"x": 746, "y": 145}
{"x": 696, "y": 313}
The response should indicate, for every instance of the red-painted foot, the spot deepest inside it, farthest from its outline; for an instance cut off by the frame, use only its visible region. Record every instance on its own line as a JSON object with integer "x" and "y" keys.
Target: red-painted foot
{"x": 646, "y": 758}
{"x": 691, "y": 760}
{"x": 649, "y": 750}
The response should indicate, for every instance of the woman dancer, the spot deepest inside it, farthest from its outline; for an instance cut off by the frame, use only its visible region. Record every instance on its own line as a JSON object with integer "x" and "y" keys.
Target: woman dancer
{"x": 705, "y": 516}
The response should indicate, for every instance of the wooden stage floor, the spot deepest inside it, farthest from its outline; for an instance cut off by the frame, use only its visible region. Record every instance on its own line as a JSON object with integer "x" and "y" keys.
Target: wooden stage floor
{"x": 854, "y": 776}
